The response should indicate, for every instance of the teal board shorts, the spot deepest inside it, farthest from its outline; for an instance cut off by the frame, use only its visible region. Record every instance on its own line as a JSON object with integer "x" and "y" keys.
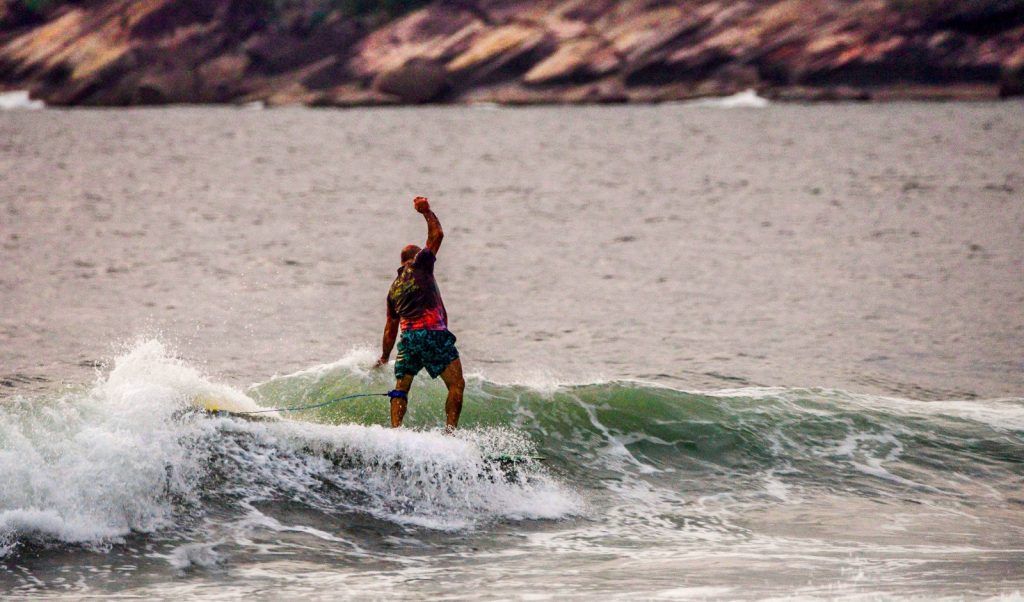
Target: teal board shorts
{"x": 430, "y": 349}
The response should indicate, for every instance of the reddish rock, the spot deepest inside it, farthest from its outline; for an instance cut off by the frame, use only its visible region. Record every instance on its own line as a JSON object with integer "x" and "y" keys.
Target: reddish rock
{"x": 606, "y": 91}
{"x": 658, "y": 41}
{"x": 503, "y": 12}
{"x": 169, "y": 16}
{"x": 352, "y": 95}
{"x": 609, "y": 91}
{"x": 419, "y": 80}
{"x": 830, "y": 94}
{"x": 662, "y": 93}
{"x": 575, "y": 60}
{"x": 222, "y": 79}
{"x": 497, "y": 47}
{"x": 176, "y": 86}
{"x": 658, "y": 60}
{"x": 156, "y": 51}
{"x": 501, "y": 54}
{"x": 945, "y": 92}
{"x": 439, "y": 33}
{"x": 689, "y": 63}
{"x": 586, "y": 11}
{"x": 110, "y": 83}
{"x": 273, "y": 52}
{"x": 329, "y": 73}
{"x": 293, "y": 93}
{"x": 1011, "y": 80}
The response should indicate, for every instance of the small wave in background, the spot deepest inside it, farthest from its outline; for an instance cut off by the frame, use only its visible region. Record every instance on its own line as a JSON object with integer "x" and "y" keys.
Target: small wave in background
{"x": 748, "y": 99}
{"x": 16, "y": 100}
{"x": 641, "y": 488}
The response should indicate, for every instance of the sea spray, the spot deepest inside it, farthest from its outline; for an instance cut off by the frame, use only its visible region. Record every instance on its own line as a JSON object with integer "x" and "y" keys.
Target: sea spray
{"x": 131, "y": 454}
{"x": 91, "y": 466}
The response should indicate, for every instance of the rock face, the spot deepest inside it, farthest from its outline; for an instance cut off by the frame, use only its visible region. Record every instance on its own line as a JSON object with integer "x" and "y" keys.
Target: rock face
{"x": 116, "y": 52}
{"x": 419, "y": 80}
{"x": 1012, "y": 80}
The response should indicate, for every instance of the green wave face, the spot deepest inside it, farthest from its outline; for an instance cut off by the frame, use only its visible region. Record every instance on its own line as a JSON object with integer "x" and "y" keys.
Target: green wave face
{"x": 809, "y": 439}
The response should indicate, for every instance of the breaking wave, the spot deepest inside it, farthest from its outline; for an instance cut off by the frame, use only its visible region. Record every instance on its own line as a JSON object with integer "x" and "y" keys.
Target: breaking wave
{"x": 131, "y": 454}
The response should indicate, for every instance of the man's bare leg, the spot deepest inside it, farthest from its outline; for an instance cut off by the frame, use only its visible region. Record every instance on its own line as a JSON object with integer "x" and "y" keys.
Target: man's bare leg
{"x": 452, "y": 377}
{"x": 400, "y": 404}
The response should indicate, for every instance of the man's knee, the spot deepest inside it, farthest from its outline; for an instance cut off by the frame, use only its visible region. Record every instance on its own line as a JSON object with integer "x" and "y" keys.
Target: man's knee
{"x": 403, "y": 383}
{"x": 452, "y": 377}
{"x": 456, "y": 385}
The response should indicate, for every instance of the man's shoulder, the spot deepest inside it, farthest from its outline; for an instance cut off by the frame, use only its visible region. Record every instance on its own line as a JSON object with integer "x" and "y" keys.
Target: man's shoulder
{"x": 424, "y": 259}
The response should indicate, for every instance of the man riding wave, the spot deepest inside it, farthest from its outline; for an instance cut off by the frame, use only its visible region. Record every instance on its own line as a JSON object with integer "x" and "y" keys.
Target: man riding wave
{"x": 414, "y": 305}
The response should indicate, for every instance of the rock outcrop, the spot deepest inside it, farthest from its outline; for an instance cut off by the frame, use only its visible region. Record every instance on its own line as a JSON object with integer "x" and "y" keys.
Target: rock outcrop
{"x": 419, "y": 80}
{"x": 120, "y": 52}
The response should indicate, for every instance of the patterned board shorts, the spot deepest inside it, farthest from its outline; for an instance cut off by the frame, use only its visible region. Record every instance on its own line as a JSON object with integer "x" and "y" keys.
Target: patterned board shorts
{"x": 430, "y": 349}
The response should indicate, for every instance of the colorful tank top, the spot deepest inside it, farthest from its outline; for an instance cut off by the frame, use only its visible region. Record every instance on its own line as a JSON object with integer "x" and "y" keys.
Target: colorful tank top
{"x": 414, "y": 297}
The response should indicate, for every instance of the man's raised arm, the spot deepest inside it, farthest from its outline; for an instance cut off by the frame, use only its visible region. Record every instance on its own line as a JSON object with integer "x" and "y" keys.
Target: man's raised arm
{"x": 434, "y": 232}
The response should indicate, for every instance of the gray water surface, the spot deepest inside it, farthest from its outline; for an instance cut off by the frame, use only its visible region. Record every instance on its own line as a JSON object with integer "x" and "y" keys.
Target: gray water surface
{"x": 820, "y": 267}
{"x": 875, "y": 248}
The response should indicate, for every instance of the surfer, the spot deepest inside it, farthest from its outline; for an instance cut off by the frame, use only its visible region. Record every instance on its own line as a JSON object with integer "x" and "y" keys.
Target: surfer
{"x": 414, "y": 304}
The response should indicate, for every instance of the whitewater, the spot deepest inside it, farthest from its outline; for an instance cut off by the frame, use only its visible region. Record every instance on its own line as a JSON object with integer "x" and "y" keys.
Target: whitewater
{"x": 814, "y": 492}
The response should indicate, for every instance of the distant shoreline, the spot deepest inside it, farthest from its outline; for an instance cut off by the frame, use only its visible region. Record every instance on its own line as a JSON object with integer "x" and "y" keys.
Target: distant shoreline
{"x": 775, "y": 96}
{"x": 126, "y": 53}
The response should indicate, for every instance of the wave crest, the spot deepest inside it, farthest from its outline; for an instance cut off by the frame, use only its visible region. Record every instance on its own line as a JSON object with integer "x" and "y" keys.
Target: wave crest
{"x": 91, "y": 466}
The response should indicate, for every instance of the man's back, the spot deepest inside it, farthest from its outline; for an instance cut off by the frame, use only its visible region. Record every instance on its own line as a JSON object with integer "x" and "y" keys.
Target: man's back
{"x": 414, "y": 297}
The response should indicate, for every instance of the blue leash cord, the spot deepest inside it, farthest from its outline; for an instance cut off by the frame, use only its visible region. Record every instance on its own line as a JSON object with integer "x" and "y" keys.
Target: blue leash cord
{"x": 393, "y": 393}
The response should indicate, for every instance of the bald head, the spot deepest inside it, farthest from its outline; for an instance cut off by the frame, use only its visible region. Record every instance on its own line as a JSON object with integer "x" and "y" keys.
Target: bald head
{"x": 409, "y": 252}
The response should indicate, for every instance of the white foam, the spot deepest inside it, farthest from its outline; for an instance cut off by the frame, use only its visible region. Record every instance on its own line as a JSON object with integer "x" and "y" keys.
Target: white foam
{"x": 1015, "y": 596}
{"x": 696, "y": 592}
{"x": 31, "y": 521}
{"x": 194, "y": 555}
{"x": 19, "y": 100}
{"x": 358, "y": 361}
{"x": 428, "y": 479}
{"x": 774, "y": 487}
{"x": 748, "y": 99}
{"x": 1000, "y": 414}
{"x": 91, "y": 466}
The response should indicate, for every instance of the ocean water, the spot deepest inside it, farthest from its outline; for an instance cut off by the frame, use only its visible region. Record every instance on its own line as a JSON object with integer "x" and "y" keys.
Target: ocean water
{"x": 643, "y": 491}
{"x": 769, "y": 352}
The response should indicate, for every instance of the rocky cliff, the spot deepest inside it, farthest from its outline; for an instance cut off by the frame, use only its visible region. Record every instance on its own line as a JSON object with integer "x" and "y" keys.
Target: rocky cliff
{"x": 324, "y": 52}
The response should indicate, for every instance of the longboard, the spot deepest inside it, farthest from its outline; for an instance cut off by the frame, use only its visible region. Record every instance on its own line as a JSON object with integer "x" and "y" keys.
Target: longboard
{"x": 220, "y": 406}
